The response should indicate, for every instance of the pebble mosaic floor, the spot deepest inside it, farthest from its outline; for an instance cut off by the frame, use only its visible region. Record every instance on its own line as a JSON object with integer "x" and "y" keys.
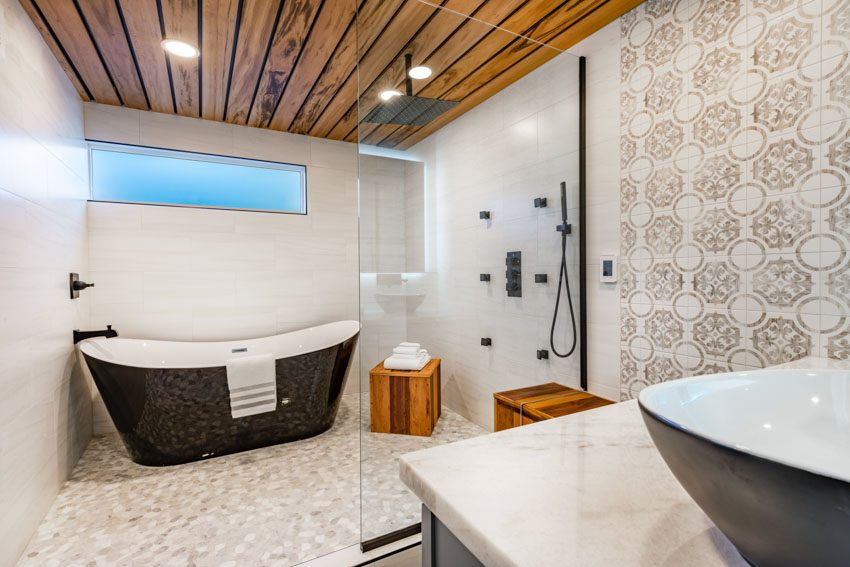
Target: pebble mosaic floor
{"x": 388, "y": 505}
{"x": 276, "y": 506}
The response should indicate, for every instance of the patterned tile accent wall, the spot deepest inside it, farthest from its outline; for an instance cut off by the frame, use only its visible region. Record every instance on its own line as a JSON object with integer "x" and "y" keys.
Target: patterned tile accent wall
{"x": 735, "y": 208}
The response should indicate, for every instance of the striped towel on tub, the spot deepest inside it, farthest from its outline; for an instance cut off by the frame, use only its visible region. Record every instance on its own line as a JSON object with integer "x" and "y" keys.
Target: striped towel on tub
{"x": 252, "y": 384}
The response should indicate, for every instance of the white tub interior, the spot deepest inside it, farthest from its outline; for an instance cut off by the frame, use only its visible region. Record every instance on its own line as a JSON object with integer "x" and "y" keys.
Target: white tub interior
{"x": 143, "y": 353}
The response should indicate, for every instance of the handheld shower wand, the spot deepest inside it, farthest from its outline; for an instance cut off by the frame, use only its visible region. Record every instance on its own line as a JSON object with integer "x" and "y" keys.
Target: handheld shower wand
{"x": 563, "y": 278}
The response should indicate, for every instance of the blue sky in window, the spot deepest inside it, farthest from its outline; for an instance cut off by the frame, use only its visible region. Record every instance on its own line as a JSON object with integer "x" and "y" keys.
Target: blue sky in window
{"x": 140, "y": 178}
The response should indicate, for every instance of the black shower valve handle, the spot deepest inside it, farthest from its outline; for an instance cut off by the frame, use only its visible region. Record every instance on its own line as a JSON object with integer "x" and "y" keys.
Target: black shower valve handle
{"x": 76, "y": 285}
{"x": 484, "y": 215}
{"x": 486, "y": 341}
{"x": 80, "y": 285}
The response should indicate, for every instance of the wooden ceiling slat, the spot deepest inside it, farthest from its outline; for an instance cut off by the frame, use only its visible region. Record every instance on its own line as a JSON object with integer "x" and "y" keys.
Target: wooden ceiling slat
{"x": 55, "y": 48}
{"x": 255, "y": 30}
{"x": 219, "y": 27}
{"x": 180, "y": 18}
{"x": 562, "y": 19}
{"x": 601, "y": 16}
{"x": 142, "y": 19}
{"x": 345, "y": 129}
{"x": 406, "y": 23}
{"x": 567, "y": 15}
{"x": 296, "y": 21}
{"x": 483, "y": 51}
{"x": 104, "y": 21}
{"x": 342, "y": 100}
{"x": 371, "y": 20}
{"x": 72, "y": 34}
{"x": 341, "y": 64}
{"x": 333, "y": 20}
{"x": 471, "y": 88}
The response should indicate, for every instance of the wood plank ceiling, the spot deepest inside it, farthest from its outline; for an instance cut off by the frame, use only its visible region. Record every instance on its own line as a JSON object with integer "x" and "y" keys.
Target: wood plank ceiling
{"x": 292, "y": 65}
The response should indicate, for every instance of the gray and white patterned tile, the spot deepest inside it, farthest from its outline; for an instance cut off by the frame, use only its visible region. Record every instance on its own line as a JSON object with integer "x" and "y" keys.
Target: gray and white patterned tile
{"x": 735, "y": 173}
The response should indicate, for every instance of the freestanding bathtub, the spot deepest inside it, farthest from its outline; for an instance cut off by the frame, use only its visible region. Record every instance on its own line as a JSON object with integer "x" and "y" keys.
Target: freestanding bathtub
{"x": 171, "y": 404}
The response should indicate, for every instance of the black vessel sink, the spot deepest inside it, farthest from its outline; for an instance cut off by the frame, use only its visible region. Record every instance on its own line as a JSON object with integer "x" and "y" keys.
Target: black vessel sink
{"x": 766, "y": 455}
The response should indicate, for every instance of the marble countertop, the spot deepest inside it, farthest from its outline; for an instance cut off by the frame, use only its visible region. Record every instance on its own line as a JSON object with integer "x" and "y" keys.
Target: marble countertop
{"x": 585, "y": 489}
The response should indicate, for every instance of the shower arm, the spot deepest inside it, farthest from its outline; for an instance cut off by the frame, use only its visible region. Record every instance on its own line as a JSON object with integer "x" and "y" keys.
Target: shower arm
{"x": 408, "y": 82}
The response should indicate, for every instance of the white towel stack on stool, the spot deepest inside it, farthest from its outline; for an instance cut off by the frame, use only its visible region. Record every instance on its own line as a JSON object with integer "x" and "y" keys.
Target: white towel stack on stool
{"x": 407, "y": 356}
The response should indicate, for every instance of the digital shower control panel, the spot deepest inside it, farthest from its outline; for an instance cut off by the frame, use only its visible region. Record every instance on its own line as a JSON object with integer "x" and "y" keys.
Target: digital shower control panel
{"x": 608, "y": 268}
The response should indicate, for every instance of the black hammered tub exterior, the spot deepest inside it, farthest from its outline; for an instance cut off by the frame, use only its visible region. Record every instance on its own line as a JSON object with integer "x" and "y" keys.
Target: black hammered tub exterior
{"x": 169, "y": 416}
{"x": 774, "y": 514}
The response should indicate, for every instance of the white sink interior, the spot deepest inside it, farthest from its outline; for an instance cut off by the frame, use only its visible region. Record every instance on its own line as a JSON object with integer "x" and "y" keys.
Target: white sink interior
{"x": 797, "y": 417}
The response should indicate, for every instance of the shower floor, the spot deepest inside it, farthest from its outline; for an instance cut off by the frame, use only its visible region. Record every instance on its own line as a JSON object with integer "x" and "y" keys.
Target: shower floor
{"x": 275, "y": 506}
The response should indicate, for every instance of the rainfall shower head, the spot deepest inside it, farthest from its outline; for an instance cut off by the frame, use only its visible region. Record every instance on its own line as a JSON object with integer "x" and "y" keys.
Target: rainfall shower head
{"x": 406, "y": 109}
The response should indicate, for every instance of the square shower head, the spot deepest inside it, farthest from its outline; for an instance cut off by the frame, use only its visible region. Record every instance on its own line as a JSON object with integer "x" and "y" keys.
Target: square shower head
{"x": 406, "y": 110}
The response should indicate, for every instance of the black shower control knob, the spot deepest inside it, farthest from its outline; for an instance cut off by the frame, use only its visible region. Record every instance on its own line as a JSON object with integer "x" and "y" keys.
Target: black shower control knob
{"x": 486, "y": 341}
{"x": 484, "y": 277}
{"x": 484, "y": 215}
{"x": 542, "y": 354}
{"x": 541, "y": 278}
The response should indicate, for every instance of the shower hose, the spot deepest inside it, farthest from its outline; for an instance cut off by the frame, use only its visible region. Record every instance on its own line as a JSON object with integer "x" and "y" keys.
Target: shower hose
{"x": 563, "y": 282}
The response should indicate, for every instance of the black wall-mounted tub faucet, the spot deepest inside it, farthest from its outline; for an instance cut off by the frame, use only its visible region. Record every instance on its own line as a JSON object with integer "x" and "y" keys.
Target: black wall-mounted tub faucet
{"x": 108, "y": 332}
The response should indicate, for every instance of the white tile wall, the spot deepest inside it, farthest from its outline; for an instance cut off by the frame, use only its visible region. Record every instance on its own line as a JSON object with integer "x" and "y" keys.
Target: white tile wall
{"x": 518, "y": 145}
{"x": 196, "y": 274}
{"x": 45, "y": 409}
{"x": 382, "y": 215}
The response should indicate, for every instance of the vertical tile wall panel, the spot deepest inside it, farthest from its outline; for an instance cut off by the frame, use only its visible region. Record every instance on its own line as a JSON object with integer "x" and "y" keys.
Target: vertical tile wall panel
{"x": 734, "y": 186}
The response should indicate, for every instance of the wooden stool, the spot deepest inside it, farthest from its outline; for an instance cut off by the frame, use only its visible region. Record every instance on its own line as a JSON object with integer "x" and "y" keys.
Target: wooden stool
{"x": 514, "y": 408}
{"x": 405, "y": 401}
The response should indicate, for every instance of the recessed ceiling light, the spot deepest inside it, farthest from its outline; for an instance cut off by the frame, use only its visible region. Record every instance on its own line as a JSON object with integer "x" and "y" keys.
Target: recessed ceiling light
{"x": 180, "y": 48}
{"x": 387, "y": 95}
{"x": 419, "y": 72}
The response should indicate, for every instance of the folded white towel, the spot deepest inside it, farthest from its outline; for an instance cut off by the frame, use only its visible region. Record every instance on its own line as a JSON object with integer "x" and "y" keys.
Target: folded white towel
{"x": 406, "y": 350}
{"x": 393, "y": 363}
{"x": 420, "y": 352}
{"x": 252, "y": 384}
{"x": 414, "y": 345}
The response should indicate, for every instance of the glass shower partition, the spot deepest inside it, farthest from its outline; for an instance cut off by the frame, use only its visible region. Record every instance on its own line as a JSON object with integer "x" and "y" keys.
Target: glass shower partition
{"x": 451, "y": 163}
